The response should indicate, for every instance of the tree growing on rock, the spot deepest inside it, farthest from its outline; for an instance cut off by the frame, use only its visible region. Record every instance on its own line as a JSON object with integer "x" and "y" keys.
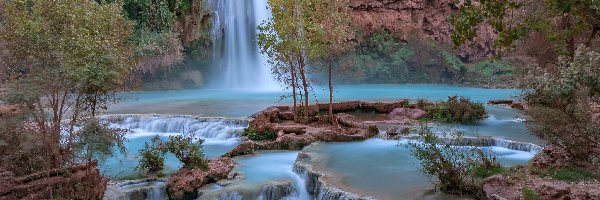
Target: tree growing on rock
{"x": 454, "y": 169}
{"x": 152, "y": 160}
{"x": 329, "y": 34}
{"x": 283, "y": 40}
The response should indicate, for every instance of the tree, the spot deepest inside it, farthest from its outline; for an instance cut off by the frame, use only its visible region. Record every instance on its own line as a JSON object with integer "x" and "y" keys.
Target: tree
{"x": 329, "y": 32}
{"x": 563, "y": 105}
{"x": 283, "y": 41}
{"x": 67, "y": 57}
{"x": 454, "y": 169}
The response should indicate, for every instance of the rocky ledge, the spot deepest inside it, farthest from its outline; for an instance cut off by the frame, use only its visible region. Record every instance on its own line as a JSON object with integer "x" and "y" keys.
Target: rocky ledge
{"x": 272, "y": 190}
{"x": 341, "y": 127}
{"x": 502, "y": 187}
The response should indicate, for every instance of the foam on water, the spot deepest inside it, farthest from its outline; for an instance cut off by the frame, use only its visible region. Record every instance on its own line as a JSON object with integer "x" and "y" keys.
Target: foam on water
{"x": 220, "y": 136}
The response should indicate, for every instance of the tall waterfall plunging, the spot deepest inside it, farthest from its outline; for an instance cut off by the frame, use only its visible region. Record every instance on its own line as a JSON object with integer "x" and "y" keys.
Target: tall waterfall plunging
{"x": 236, "y": 55}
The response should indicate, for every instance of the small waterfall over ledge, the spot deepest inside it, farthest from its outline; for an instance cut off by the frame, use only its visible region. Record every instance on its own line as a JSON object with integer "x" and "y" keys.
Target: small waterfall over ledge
{"x": 211, "y": 129}
{"x": 236, "y": 55}
{"x": 144, "y": 189}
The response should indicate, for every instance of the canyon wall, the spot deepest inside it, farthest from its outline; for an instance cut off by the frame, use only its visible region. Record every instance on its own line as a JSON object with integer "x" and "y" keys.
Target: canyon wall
{"x": 417, "y": 19}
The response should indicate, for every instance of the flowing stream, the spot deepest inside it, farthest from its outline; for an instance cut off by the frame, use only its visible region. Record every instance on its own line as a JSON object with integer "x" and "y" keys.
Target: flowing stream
{"x": 241, "y": 85}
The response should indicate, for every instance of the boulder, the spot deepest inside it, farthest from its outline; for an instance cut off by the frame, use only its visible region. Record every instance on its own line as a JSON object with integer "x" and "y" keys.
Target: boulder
{"x": 410, "y": 113}
{"x": 245, "y": 148}
{"x": 382, "y": 107}
{"x": 185, "y": 182}
{"x": 219, "y": 168}
{"x": 286, "y": 115}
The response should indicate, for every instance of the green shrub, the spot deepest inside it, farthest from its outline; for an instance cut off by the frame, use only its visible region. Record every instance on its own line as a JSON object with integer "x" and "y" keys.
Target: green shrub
{"x": 455, "y": 110}
{"x": 529, "y": 194}
{"x": 454, "y": 169}
{"x": 571, "y": 174}
{"x": 185, "y": 149}
{"x": 151, "y": 157}
{"x": 255, "y": 135}
{"x": 189, "y": 152}
{"x": 562, "y": 101}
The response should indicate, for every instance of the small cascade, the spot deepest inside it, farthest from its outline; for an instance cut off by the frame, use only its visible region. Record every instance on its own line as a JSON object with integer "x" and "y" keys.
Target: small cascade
{"x": 145, "y": 189}
{"x": 279, "y": 190}
{"x": 315, "y": 183}
{"x": 498, "y": 142}
{"x": 206, "y": 128}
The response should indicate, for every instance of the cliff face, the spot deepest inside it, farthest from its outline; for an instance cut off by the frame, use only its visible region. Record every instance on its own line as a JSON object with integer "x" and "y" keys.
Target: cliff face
{"x": 417, "y": 19}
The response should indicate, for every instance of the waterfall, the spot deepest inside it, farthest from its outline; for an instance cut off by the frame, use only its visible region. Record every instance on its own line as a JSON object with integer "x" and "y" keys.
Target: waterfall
{"x": 210, "y": 129}
{"x": 499, "y": 142}
{"x": 144, "y": 189}
{"x": 299, "y": 180}
{"x": 236, "y": 55}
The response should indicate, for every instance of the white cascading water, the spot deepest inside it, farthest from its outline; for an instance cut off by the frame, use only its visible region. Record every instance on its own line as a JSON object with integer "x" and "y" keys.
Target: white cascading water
{"x": 210, "y": 129}
{"x": 236, "y": 54}
{"x": 300, "y": 185}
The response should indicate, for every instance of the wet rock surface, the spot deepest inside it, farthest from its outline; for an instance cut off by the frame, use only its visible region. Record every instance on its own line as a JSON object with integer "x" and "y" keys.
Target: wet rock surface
{"x": 340, "y": 127}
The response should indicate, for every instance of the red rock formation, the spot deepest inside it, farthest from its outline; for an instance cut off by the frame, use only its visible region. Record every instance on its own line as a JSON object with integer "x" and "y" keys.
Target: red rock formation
{"x": 407, "y": 113}
{"x": 417, "y": 19}
{"x": 502, "y": 187}
{"x": 76, "y": 182}
{"x": 292, "y": 135}
{"x": 185, "y": 182}
{"x": 189, "y": 26}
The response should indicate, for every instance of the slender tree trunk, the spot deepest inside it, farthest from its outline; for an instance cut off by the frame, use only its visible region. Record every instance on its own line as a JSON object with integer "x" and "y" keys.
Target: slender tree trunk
{"x": 304, "y": 84}
{"x": 330, "y": 88}
{"x": 73, "y": 122}
{"x": 293, "y": 73}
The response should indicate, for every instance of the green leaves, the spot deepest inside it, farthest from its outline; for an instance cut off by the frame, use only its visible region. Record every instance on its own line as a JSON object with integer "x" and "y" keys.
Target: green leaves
{"x": 185, "y": 148}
